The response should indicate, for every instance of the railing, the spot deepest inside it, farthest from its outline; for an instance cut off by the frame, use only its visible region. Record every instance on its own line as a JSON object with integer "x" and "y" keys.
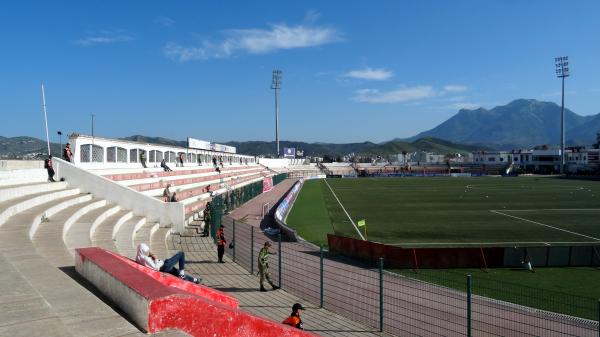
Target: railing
{"x": 402, "y": 305}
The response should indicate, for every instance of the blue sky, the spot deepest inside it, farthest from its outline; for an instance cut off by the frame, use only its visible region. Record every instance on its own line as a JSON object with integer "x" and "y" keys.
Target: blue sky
{"x": 352, "y": 70}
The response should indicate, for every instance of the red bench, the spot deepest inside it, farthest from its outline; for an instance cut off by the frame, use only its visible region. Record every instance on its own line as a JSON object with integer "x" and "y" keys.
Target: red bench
{"x": 157, "y": 301}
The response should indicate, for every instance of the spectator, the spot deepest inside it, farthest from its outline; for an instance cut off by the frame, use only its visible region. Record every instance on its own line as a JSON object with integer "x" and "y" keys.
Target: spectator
{"x": 214, "y": 160}
{"x": 221, "y": 243}
{"x": 167, "y": 193}
{"x": 181, "y": 159}
{"x": 146, "y": 258}
{"x": 207, "y": 215}
{"x": 174, "y": 197}
{"x": 67, "y": 154}
{"x": 143, "y": 158}
{"x": 49, "y": 168}
{"x": 294, "y": 319}
{"x": 163, "y": 164}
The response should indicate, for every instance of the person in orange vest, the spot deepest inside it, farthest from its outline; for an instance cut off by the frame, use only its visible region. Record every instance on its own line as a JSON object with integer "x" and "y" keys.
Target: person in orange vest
{"x": 294, "y": 319}
{"x": 221, "y": 243}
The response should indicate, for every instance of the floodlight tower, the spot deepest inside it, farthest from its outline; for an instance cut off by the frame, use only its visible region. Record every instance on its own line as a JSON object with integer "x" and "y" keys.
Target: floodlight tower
{"x": 276, "y": 85}
{"x": 562, "y": 71}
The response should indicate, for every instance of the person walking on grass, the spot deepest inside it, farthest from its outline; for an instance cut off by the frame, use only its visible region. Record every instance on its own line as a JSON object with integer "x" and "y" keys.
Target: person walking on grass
{"x": 221, "y": 243}
{"x": 294, "y": 319}
{"x": 263, "y": 266}
{"x": 146, "y": 258}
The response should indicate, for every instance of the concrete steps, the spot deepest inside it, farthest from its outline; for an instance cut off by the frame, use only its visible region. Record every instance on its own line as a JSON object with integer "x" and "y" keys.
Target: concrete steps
{"x": 22, "y": 190}
{"x": 143, "y": 235}
{"x": 102, "y": 235}
{"x": 19, "y": 204}
{"x": 78, "y": 234}
{"x": 48, "y": 239}
{"x": 53, "y": 300}
{"x": 158, "y": 242}
{"x": 124, "y": 236}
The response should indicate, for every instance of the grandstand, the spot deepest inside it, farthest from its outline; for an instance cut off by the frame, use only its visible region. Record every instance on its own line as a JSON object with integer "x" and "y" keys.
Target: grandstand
{"x": 295, "y": 168}
{"x": 108, "y": 201}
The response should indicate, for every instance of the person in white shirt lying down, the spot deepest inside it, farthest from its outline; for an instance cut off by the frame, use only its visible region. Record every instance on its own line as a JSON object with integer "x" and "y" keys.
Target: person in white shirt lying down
{"x": 146, "y": 258}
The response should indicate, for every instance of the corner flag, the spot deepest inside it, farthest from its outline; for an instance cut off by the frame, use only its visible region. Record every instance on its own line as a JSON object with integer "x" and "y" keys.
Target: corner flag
{"x": 363, "y": 223}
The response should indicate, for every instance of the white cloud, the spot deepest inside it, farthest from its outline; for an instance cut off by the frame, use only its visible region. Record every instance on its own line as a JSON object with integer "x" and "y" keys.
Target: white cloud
{"x": 255, "y": 41}
{"x": 466, "y": 105}
{"x": 404, "y": 94}
{"x": 455, "y": 88}
{"x": 164, "y": 21}
{"x": 104, "y": 37}
{"x": 370, "y": 74}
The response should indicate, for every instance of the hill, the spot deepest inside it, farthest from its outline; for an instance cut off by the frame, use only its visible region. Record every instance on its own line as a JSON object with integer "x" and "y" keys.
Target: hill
{"x": 522, "y": 123}
{"x": 29, "y": 147}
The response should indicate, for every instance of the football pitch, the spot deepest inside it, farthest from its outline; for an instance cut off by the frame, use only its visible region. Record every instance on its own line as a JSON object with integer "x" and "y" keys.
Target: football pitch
{"x": 468, "y": 212}
{"x": 451, "y": 212}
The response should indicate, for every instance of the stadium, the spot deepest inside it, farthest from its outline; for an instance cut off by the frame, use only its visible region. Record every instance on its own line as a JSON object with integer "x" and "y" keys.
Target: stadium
{"x": 396, "y": 198}
{"x": 400, "y": 242}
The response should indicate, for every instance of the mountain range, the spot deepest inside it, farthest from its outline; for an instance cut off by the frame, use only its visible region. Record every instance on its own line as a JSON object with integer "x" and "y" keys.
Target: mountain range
{"x": 522, "y": 123}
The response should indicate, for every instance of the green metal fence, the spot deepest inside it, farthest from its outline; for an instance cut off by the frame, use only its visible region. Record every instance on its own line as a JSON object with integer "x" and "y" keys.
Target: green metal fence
{"x": 407, "y": 306}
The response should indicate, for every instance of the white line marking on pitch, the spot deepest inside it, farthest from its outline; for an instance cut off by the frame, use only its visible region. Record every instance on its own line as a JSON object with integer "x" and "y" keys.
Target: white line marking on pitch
{"x": 512, "y": 243}
{"x": 542, "y": 224}
{"x": 348, "y": 215}
{"x": 549, "y": 209}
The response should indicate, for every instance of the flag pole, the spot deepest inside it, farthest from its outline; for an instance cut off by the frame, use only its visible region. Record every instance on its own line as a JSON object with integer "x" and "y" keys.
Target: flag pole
{"x": 45, "y": 117}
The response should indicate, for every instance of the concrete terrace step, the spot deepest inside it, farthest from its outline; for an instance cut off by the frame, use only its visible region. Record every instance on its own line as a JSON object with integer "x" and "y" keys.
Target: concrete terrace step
{"x": 48, "y": 239}
{"x": 74, "y": 310}
{"x": 102, "y": 235}
{"x": 78, "y": 235}
{"x": 125, "y": 234}
{"x": 14, "y": 206}
{"x": 143, "y": 235}
{"x": 17, "y": 191}
{"x": 116, "y": 175}
{"x": 158, "y": 242}
{"x": 182, "y": 180}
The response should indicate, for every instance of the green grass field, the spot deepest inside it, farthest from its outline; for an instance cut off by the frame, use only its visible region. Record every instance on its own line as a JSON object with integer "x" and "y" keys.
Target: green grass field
{"x": 447, "y": 212}
{"x": 455, "y": 212}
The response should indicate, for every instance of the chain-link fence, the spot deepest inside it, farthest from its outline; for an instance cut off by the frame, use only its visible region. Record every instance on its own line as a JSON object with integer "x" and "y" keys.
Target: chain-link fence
{"x": 403, "y": 305}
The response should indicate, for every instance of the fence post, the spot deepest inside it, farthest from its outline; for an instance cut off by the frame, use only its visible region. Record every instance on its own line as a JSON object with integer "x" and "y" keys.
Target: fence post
{"x": 469, "y": 285}
{"x": 279, "y": 257}
{"x": 251, "y": 250}
{"x": 321, "y": 276}
{"x": 381, "y": 294}
{"x": 233, "y": 240}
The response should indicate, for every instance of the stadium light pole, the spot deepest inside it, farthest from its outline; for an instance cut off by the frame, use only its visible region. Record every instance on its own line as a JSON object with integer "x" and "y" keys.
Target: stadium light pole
{"x": 276, "y": 85}
{"x": 562, "y": 71}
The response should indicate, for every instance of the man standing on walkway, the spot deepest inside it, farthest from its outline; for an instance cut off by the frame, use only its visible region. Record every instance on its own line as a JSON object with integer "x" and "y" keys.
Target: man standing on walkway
{"x": 221, "y": 243}
{"x": 263, "y": 266}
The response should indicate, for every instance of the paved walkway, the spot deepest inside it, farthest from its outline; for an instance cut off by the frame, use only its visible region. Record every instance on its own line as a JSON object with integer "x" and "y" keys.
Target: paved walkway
{"x": 251, "y": 211}
{"x": 201, "y": 254}
{"x": 231, "y": 278}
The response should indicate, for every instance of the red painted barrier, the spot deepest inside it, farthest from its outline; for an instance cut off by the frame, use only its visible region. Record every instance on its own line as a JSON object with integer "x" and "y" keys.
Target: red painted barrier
{"x": 158, "y": 301}
{"x": 398, "y": 257}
